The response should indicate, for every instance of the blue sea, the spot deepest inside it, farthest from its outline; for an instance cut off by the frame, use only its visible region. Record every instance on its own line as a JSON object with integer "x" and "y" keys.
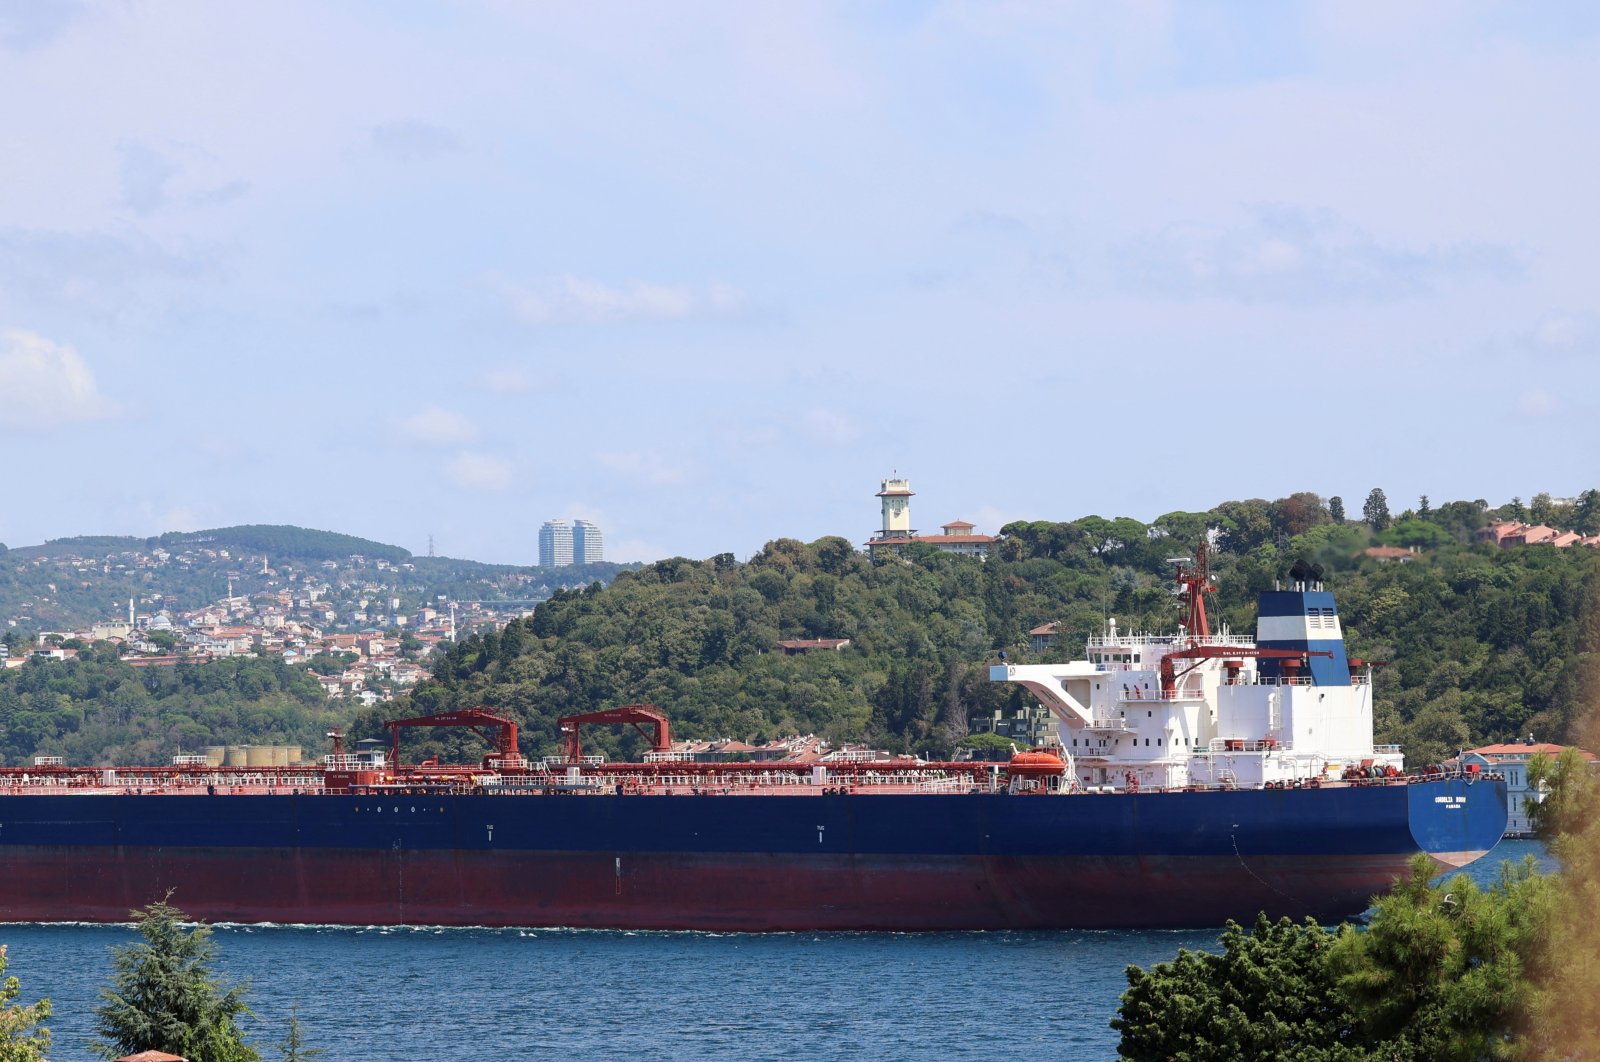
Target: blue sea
{"x": 488, "y": 994}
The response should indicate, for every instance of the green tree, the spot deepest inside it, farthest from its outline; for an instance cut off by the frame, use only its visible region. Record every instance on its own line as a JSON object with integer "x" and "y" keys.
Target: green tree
{"x": 1542, "y": 509}
{"x": 1268, "y": 995}
{"x": 293, "y": 1045}
{"x": 1513, "y": 510}
{"x": 1422, "y": 507}
{"x": 1586, "y": 514}
{"x": 164, "y": 997}
{"x": 1564, "y": 1012}
{"x": 1376, "y": 510}
{"x": 1336, "y": 509}
{"x": 1440, "y": 971}
{"x": 23, "y": 1036}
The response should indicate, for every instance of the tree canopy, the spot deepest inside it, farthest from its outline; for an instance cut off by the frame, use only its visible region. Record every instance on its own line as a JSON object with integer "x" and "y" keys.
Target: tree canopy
{"x": 164, "y": 996}
{"x": 23, "y": 1035}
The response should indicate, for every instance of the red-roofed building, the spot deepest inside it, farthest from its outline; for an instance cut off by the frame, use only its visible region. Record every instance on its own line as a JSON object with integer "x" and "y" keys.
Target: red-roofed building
{"x": 897, "y": 532}
{"x": 1511, "y": 759}
{"x": 1043, "y": 636}
{"x": 1391, "y": 553}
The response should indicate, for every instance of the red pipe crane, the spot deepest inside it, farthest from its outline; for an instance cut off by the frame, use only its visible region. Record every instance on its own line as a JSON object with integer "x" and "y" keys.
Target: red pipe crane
{"x": 478, "y": 720}
{"x": 639, "y": 715}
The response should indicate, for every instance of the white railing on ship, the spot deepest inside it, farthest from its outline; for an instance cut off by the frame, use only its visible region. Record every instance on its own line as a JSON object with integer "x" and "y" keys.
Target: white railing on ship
{"x": 1386, "y": 750}
{"x": 1222, "y": 745}
{"x": 551, "y": 763}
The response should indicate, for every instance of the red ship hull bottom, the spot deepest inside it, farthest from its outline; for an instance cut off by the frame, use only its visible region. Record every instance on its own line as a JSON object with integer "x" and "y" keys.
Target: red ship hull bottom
{"x": 647, "y": 890}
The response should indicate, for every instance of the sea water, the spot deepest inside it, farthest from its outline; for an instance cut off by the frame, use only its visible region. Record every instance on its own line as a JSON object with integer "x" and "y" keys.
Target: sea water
{"x": 390, "y": 994}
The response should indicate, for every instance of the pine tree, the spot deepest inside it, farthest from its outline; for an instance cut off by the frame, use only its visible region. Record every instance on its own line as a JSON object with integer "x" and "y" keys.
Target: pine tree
{"x": 1586, "y": 517}
{"x": 22, "y": 1036}
{"x": 1336, "y": 509}
{"x": 1376, "y": 511}
{"x": 293, "y": 1046}
{"x": 164, "y": 997}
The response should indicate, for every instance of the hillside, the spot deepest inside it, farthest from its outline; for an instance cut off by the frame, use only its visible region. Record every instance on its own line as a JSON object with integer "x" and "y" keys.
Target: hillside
{"x": 1482, "y": 643}
{"x": 72, "y": 582}
{"x": 98, "y": 709}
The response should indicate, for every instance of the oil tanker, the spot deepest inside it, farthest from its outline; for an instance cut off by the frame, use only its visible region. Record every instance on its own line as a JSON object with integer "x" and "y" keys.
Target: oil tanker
{"x": 1199, "y": 776}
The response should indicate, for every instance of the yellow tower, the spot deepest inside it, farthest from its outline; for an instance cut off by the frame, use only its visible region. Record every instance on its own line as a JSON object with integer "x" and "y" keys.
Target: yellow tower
{"x": 896, "y": 498}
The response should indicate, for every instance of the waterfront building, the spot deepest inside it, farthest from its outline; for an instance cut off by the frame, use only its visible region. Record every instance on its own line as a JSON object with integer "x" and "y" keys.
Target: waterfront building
{"x": 555, "y": 544}
{"x": 1511, "y": 760}
{"x": 587, "y": 546}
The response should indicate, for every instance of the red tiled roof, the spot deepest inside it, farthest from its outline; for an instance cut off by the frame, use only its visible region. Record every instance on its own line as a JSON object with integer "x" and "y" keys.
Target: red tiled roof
{"x": 1522, "y": 748}
{"x": 1044, "y": 628}
{"x": 934, "y": 540}
{"x": 958, "y": 523}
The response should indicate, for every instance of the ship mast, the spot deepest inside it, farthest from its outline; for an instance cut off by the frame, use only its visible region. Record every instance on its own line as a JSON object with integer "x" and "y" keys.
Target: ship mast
{"x": 1195, "y": 580}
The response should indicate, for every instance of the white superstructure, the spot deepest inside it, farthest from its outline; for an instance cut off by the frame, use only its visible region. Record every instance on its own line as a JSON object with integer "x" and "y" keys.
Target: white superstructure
{"x": 1167, "y": 711}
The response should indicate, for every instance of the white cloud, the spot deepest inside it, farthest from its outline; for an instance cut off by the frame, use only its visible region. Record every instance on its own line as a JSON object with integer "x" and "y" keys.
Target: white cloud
{"x": 413, "y": 141}
{"x": 1289, "y": 255}
{"x": 434, "y": 425}
{"x": 826, "y": 426}
{"x": 626, "y": 550}
{"x": 1538, "y": 403}
{"x": 515, "y": 380}
{"x": 479, "y": 471}
{"x": 44, "y": 383}
{"x": 568, "y": 299}
{"x": 649, "y": 468}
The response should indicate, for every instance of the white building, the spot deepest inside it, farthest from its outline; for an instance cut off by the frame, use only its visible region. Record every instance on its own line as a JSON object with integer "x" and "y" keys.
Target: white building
{"x": 955, "y": 537}
{"x": 587, "y": 546}
{"x": 1511, "y": 760}
{"x": 555, "y": 544}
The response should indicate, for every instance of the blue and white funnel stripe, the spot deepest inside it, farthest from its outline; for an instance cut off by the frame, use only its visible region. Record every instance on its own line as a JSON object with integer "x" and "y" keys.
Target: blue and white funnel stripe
{"x": 1305, "y": 620}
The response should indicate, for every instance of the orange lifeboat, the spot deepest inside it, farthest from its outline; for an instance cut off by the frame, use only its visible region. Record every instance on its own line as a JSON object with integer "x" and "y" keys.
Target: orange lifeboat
{"x": 1037, "y": 764}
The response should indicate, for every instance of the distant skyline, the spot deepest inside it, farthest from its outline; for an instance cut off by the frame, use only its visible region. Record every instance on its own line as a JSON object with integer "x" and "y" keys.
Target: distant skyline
{"x": 706, "y": 273}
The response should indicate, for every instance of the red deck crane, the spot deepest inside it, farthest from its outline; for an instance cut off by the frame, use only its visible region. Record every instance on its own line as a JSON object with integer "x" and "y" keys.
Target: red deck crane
{"x": 639, "y": 715}
{"x": 1231, "y": 656}
{"x": 478, "y": 720}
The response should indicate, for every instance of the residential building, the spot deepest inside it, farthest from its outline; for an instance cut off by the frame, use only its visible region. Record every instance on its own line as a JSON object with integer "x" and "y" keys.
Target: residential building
{"x": 1026, "y": 726}
{"x": 587, "y": 547}
{"x": 555, "y": 544}
{"x": 1511, "y": 760}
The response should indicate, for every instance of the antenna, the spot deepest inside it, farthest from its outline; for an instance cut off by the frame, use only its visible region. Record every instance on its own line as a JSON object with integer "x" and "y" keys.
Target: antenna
{"x": 430, "y": 545}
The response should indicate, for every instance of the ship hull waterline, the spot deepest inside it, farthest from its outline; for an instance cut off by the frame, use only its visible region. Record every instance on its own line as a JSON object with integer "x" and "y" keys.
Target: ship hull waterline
{"x": 869, "y": 862}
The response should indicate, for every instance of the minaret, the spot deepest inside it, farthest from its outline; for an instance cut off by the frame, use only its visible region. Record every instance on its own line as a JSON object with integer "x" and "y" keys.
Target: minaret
{"x": 896, "y": 497}
{"x": 130, "y": 613}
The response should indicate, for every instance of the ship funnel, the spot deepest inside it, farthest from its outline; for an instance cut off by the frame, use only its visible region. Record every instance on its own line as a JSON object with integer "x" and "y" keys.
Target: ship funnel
{"x": 1303, "y": 619}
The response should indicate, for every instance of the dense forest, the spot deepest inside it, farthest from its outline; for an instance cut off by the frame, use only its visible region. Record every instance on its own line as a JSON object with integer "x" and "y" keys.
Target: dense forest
{"x": 1481, "y": 643}
{"x": 97, "y": 709}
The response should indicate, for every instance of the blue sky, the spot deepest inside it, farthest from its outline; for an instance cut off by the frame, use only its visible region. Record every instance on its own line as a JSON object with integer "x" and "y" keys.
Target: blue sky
{"x": 704, "y": 273}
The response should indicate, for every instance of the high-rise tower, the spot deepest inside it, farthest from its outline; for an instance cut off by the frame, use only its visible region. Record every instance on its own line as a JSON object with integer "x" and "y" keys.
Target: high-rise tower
{"x": 555, "y": 544}
{"x": 587, "y": 547}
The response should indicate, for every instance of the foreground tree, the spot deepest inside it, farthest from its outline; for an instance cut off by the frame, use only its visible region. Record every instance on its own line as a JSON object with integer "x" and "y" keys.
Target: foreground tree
{"x": 164, "y": 997}
{"x": 293, "y": 1045}
{"x": 1268, "y": 995}
{"x": 23, "y": 1037}
{"x": 1440, "y": 973}
{"x": 1564, "y": 1011}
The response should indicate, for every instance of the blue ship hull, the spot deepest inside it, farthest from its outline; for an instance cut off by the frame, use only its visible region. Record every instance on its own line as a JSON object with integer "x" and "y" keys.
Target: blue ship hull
{"x": 738, "y": 862}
